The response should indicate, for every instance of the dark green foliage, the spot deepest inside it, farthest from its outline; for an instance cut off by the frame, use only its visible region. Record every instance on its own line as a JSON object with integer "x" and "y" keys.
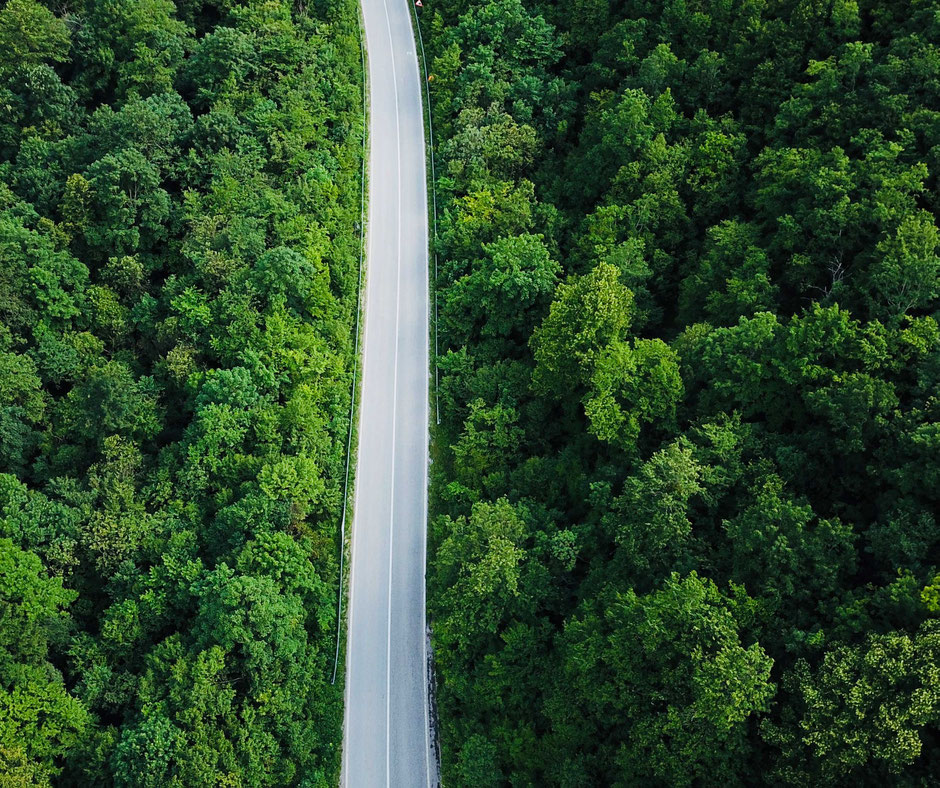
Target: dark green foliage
{"x": 687, "y": 478}
{"x": 179, "y": 184}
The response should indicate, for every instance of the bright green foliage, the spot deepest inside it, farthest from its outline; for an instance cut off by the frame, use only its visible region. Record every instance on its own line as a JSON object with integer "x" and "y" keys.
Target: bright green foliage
{"x": 663, "y": 682}
{"x": 38, "y": 716}
{"x": 649, "y": 521}
{"x": 30, "y": 34}
{"x": 930, "y": 596}
{"x": 632, "y": 387}
{"x": 733, "y": 276}
{"x": 907, "y": 276}
{"x": 589, "y": 315}
{"x": 494, "y": 302}
{"x": 688, "y": 288}
{"x": 480, "y": 564}
{"x": 179, "y": 187}
{"x": 782, "y": 555}
{"x": 864, "y": 708}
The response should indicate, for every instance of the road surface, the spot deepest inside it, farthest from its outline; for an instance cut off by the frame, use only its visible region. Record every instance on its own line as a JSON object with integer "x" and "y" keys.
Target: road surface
{"x": 386, "y": 738}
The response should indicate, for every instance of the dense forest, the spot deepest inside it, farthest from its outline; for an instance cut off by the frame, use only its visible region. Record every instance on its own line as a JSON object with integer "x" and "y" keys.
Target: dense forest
{"x": 686, "y": 482}
{"x": 179, "y": 187}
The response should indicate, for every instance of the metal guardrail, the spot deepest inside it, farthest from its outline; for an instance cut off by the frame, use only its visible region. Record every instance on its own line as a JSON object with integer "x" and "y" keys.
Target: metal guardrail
{"x": 427, "y": 98}
{"x": 434, "y": 733}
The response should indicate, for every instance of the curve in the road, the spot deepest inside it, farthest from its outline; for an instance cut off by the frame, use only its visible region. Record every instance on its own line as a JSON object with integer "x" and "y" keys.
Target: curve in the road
{"x": 386, "y": 733}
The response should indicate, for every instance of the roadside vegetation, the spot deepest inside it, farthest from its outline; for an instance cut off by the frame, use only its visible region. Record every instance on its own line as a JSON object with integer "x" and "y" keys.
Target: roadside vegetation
{"x": 685, "y": 500}
{"x": 179, "y": 187}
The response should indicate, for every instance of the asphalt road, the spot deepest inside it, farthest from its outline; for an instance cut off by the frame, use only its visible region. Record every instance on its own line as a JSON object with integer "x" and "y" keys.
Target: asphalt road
{"x": 386, "y": 737}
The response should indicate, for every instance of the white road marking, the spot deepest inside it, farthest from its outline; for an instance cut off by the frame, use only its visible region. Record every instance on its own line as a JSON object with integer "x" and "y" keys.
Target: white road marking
{"x": 391, "y": 514}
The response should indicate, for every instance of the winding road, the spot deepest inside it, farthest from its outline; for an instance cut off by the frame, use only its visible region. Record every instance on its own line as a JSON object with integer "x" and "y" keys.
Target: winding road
{"x": 386, "y": 734}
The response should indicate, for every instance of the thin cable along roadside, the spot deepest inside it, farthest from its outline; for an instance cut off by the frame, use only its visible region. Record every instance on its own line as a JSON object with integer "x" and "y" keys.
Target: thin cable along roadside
{"x": 352, "y": 398}
{"x": 427, "y": 98}
{"x": 431, "y": 746}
